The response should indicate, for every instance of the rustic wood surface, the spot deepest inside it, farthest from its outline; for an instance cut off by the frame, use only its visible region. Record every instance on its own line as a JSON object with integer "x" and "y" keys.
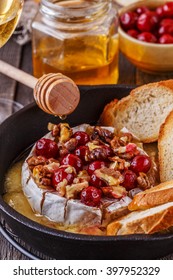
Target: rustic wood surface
{"x": 21, "y": 57}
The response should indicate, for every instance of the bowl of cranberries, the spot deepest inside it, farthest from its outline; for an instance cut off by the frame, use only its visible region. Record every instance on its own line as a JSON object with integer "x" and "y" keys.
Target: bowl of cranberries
{"x": 146, "y": 35}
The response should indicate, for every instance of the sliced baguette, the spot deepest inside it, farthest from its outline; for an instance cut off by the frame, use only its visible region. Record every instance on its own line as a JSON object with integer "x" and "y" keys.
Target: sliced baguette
{"x": 144, "y": 222}
{"x": 165, "y": 148}
{"x": 142, "y": 112}
{"x": 157, "y": 195}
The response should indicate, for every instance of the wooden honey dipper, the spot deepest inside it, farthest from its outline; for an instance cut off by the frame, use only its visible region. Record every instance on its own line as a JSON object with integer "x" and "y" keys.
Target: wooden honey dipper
{"x": 54, "y": 93}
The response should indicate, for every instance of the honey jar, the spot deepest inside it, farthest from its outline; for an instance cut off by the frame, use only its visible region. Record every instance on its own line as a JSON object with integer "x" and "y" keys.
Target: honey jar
{"x": 77, "y": 38}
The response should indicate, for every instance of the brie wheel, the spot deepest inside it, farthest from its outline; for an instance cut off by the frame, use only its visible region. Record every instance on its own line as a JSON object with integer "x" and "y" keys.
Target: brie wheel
{"x": 47, "y": 201}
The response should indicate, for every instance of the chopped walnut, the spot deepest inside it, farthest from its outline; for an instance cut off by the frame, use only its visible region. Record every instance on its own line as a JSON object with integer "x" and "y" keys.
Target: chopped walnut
{"x": 102, "y": 134}
{"x": 72, "y": 191}
{"x": 97, "y": 154}
{"x": 143, "y": 181}
{"x": 82, "y": 177}
{"x": 110, "y": 176}
{"x": 65, "y": 132}
{"x": 51, "y": 167}
{"x": 115, "y": 143}
{"x": 62, "y": 131}
{"x": 125, "y": 138}
{"x": 41, "y": 175}
{"x": 62, "y": 149}
{"x": 127, "y": 152}
{"x": 52, "y": 160}
{"x": 71, "y": 144}
{"x": 36, "y": 160}
{"x": 45, "y": 181}
{"x": 119, "y": 163}
{"x": 61, "y": 187}
{"x": 54, "y": 128}
{"x": 114, "y": 191}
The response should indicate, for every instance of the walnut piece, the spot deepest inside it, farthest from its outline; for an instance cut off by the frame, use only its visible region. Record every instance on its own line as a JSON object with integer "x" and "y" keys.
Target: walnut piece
{"x": 143, "y": 181}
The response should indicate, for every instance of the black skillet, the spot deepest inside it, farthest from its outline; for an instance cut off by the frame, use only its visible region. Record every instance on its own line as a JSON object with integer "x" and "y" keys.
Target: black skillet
{"x": 20, "y": 131}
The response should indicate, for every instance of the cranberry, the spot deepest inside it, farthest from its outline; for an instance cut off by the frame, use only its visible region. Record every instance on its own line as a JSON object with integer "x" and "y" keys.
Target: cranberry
{"x": 166, "y": 21}
{"x": 96, "y": 182}
{"x": 166, "y": 29}
{"x": 131, "y": 148}
{"x": 72, "y": 160}
{"x": 129, "y": 180}
{"x": 133, "y": 33}
{"x": 141, "y": 10}
{"x": 60, "y": 174}
{"x": 128, "y": 20}
{"x": 166, "y": 39}
{"x": 147, "y": 21}
{"x": 82, "y": 137}
{"x": 91, "y": 196}
{"x": 95, "y": 165}
{"x": 160, "y": 12}
{"x": 81, "y": 152}
{"x": 140, "y": 163}
{"x": 46, "y": 148}
{"x": 168, "y": 9}
{"x": 147, "y": 37}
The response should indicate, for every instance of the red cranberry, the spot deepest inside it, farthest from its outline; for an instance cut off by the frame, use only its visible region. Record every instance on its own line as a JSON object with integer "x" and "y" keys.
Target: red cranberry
{"x": 147, "y": 37}
{"x": 46, "y": 148}
{"x": 133, "y": 33}
{"x": 166, "y": 21}
{"x": 141, "y": 10}
{"x": 147, "y": 21}
{"x": 82, "y": 137}
{"x": 131, "y": 148}
{"x": 91, "y": 196}
{"x": 140, "y": 163}
{"x": 95, "y": 165}
{"x": 60, "y": 174}
{"x": 168, "y": 9}
{"x": 129, "y": 180}
{"x": 72, "y": 160}
{"x": 96, "y": 182}
{"x": 81, "y": 152}
{"x": 160, "y": 12}
{"x": 166, "y": 29}
{"x": 128, "y": 20}
{"x": 166, "y": 39}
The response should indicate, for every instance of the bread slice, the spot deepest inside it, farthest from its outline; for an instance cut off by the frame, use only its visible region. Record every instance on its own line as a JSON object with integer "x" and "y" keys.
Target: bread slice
{"x": 165, "y": 148}
{"x": 157, "y": 195}
{"x": 144, "y": 222}
{"x": 142, "y": 112}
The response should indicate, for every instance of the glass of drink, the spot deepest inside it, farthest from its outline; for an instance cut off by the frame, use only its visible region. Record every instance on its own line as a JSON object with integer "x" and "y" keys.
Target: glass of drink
{"x": 10, "y": 11}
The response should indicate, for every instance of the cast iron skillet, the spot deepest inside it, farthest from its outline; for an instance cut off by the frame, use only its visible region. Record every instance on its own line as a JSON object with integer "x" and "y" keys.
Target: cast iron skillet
{"x": 20, "y": 131}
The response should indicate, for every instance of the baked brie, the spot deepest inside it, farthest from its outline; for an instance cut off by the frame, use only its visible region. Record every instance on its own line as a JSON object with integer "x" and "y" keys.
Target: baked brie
{"x": 85, "y": 175}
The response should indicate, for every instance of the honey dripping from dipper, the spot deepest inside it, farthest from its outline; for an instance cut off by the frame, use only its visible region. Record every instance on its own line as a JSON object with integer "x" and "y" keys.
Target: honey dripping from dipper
{"x": 57, "y": 95}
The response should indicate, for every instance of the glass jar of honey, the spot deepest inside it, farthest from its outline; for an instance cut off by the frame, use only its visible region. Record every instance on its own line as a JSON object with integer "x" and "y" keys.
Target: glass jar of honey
{"x": 77, "y": 38}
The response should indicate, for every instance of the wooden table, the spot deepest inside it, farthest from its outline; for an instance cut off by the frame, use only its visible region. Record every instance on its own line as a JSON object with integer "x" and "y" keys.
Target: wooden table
{"x": 21, "y": 57}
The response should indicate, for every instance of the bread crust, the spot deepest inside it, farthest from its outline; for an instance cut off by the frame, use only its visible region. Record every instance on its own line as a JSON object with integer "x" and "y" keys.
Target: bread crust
{"x": 157, "y": 195}
{"x": 126, "y": 111}
{"x": 107, "y": 116}
{"x": 165, "y": 149}
{"x": 161, "y": 220}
